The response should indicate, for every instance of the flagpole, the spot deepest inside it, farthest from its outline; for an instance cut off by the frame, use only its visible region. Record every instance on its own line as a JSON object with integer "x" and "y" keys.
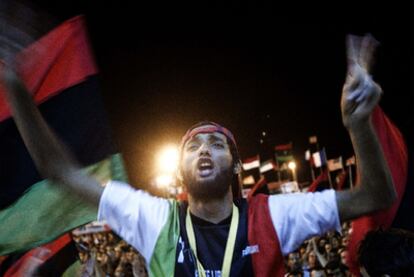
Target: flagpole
{"x": 351, "y": 182}
{"x": 325, "y": 158}
{"x": 329, "y": 177}
{"x": 312, "y": 172}
{"x": 278, "y": 170}
{"x": 317, "y": 149}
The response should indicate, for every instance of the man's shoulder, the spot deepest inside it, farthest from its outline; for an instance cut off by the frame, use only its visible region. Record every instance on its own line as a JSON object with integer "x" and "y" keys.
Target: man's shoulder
{"x": 124, "y": 194}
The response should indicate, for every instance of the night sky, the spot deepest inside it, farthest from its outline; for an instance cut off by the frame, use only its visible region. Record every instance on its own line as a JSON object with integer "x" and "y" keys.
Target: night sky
{"x": 250, "y": 67}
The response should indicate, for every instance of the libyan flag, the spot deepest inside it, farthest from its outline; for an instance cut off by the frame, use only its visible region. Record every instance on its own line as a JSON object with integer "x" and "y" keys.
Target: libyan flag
{"x": 56, "y": 258}
{"x": 62, "y": 79}
{"x": 395, "y": 151}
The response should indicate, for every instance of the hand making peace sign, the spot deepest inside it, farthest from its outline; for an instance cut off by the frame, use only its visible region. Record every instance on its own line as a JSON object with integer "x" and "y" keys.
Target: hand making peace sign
{"x": 360, "y": 92}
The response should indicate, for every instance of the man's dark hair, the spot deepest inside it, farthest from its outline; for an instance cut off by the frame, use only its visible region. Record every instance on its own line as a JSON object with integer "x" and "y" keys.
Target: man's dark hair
{"x": 387, "y": 252}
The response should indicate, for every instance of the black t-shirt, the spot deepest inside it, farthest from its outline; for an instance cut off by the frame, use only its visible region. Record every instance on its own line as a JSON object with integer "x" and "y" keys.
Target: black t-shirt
{"x": 211, "y": 242}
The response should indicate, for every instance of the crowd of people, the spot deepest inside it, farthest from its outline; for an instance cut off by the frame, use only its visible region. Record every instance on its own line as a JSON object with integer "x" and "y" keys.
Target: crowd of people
{"x": 105, "y": 254}
{"x": 321, "y": 256}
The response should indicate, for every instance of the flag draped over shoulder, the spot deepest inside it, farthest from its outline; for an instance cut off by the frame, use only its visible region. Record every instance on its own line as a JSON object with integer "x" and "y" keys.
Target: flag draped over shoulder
{"x": 61, "y": 77}
{"x": 395, "y": 152}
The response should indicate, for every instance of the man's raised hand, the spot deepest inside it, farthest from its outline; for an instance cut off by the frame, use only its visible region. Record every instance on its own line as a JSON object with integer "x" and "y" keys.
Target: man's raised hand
{"x": 360, "y": 93}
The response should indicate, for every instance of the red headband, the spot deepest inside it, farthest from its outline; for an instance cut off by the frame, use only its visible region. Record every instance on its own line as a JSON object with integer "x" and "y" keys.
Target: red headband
{"x": 210, "y": 127}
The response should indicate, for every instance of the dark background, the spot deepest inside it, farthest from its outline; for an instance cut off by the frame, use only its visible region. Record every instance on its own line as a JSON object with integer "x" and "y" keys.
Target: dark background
{"x": 251, "y": 67}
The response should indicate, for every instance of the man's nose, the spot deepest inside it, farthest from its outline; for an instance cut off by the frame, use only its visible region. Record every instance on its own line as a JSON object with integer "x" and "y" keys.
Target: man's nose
{"x": 204, "y": 150}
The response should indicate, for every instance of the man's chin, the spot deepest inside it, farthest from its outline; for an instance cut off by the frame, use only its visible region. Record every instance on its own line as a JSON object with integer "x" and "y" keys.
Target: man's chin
{"x": 205, "y": 180}
{"x": 208, "y": 187}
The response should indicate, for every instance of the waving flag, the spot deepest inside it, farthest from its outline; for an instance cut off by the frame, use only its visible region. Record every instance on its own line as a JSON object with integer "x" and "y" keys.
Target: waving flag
{"x": 395, "y": 152}
{"x": 51, "y": 259}
{"x": 267, "y": 166}
{"x": 251, "y": 163}
{"x": 319, "y": 158}
{"x": 64, "y": 85}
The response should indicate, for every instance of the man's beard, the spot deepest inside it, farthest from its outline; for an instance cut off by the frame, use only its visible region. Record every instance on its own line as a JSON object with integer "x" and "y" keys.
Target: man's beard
{"x": 207, "y": 190}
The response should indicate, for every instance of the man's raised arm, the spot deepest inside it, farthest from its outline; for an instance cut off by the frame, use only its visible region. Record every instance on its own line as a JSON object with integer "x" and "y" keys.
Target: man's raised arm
{"x": 52, "y": 158}
{"x": 360, "y": 96}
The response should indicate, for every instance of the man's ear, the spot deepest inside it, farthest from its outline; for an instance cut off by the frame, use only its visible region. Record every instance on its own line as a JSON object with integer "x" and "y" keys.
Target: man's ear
{"x": 237, "y": 168}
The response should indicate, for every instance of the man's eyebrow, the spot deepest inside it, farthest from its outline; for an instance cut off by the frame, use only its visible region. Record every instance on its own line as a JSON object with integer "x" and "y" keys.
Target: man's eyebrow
{"x": 193, "y": 139}
{"x": 216, "y": 138}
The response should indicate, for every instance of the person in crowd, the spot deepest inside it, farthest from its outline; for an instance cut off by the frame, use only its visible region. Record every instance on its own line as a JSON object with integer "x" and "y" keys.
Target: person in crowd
{"x": 387, "y": 253}
{"x": 294, "y": 264}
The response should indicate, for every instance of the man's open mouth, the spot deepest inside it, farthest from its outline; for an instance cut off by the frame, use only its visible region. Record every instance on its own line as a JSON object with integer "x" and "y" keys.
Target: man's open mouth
{"x": 205, "y": 167}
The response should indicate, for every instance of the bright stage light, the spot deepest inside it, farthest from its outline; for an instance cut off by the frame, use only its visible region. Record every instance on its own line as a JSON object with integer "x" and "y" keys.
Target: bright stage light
{"x": 163, "y": 181}
{"x": 292, "y": 165}
{"x": 168, "y": 159}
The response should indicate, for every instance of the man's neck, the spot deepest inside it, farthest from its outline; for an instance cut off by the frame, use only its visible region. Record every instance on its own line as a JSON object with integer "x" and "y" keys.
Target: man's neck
{"x": 214, "y": 211}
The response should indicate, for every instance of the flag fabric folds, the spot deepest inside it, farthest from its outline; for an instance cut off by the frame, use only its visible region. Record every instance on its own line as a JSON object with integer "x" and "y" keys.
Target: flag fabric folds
{"x": 33, "y": 211}
{"x": 284, "y": 147}
{"x": 395, "y": 152}
{"x": 51, "y": 259}
{"x": 262, "y": 182}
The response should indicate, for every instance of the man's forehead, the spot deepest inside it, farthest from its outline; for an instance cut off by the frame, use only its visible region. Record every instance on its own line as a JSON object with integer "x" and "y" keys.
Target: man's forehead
{"x": 208, "y": 135}
{"x": 206, "y": 129}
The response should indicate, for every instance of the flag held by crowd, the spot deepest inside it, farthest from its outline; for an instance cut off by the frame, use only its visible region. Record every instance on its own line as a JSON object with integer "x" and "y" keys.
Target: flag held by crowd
{"x": 396, "y": 155}
{"x": 251, "y": 163}
{"x": 319, "y": 158}
{"x": 267, "y": 166}
{"x": 307, "y": 155}
{"x": 283, "y": 152}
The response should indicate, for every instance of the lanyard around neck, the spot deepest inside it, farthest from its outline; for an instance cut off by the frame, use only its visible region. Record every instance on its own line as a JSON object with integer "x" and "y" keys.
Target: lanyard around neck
{"x": 231, "y": 241}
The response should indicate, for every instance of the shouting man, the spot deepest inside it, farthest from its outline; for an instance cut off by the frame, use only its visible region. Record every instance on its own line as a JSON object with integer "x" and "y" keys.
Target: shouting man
{"x": 216, "y": 233}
